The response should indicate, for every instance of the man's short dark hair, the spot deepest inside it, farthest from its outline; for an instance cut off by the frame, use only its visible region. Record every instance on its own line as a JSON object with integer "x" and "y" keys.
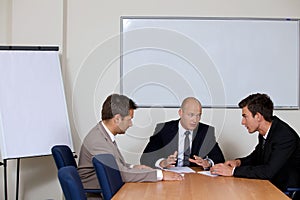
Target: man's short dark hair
{"x": 259, "y": 103}
{"x": 117, "y": 104}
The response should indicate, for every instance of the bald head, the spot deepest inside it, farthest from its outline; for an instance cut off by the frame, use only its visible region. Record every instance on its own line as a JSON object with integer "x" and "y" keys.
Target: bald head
{"x": 189, "y": 101}
{"x": 190, "y": 113}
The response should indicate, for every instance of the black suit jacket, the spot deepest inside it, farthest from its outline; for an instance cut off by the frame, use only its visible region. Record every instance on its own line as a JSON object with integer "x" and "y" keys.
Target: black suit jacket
{"x": 278, "y": 161}
{"x": 164, "y": 142}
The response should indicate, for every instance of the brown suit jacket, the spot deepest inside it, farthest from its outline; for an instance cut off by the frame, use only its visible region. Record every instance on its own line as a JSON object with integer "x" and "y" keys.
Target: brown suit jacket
{"x": 98, "y": 141}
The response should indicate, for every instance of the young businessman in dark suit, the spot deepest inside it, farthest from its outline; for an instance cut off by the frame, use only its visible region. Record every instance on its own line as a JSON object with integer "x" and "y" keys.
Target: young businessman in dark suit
{"x": 277, "y": 154}
{"x": 166, "y": 146}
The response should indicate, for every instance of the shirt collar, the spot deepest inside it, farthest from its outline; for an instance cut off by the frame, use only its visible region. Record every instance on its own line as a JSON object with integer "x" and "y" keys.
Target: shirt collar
{"x": 112, "y": 137}
{"x": 182, "y": 130}
{"x": 266, "y": 135}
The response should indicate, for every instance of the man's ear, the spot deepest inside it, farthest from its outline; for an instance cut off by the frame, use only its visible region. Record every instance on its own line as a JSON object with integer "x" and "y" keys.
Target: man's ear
{"x": 180, "y": 112}
{"x": 259, "y": 117}
{"x": 117, "y": 118}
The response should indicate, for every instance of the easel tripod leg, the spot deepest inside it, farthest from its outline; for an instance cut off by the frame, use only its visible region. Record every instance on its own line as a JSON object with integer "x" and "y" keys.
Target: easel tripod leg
{"x": 18, "y": 178}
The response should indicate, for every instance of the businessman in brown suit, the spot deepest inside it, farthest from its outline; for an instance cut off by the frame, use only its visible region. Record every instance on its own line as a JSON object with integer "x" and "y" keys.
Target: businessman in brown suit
{"x": 117, "y": 114}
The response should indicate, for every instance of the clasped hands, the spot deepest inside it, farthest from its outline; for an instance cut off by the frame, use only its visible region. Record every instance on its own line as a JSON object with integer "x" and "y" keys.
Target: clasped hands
{"x": 225, "y": 169}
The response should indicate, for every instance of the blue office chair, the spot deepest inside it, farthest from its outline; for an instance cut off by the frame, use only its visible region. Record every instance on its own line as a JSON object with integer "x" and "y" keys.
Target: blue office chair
{"x": 63, "y": 156}
{"x": 293, "y": 193}
{"x": 108, "y": 174}
{"x": 71, "y": 184}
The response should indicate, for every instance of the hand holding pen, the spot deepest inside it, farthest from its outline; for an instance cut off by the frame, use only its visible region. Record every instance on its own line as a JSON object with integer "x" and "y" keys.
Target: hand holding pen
{"x": 170, "y": 161}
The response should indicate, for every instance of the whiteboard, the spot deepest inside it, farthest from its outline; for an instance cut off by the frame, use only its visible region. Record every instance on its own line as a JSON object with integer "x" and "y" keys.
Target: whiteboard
{"x": 218, "y": 60}
{"x": 33, "y": 111}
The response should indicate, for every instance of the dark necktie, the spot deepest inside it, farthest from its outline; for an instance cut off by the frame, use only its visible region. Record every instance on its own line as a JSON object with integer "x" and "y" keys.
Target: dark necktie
{"x": 262, "y": 152}
{"x": 263, "y": 143}
{"x": 187, "y": 149}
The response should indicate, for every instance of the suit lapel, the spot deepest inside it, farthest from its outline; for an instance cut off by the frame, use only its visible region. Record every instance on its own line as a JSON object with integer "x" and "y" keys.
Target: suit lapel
{"x": 198, "y": 137}
{"x": 173, "y": 139}
{"x": 116, "y": 152}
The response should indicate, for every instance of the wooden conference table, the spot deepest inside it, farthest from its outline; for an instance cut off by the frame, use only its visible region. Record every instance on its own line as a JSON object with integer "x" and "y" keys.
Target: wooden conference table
{"x": 198, "y": 186}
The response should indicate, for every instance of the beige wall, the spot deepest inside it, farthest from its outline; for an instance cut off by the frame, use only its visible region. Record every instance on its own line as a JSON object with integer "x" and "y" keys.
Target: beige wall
{"x": 5, "y": 21}
{"x": 87, "y": 33}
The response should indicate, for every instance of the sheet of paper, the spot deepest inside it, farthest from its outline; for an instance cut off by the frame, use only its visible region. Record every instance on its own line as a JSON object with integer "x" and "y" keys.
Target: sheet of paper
{"x": 181, "y": 169}
{"x": 207, "y": 173}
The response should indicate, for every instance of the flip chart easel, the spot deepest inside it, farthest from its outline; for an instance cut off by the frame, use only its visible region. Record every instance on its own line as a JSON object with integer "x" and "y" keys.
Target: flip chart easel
{"x": 33, "y": 111}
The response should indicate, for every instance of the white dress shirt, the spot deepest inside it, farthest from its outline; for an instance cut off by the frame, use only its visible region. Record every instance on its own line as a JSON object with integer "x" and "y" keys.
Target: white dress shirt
{"x": 181, "y": 137}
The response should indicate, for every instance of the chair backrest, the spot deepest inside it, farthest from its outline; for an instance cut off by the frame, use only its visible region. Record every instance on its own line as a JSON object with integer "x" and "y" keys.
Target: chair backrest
{"x": 293, "y": 193}
{"x": 63, "y": 156}
{"x": 108, "y": 174}
{"x": 71, "y": 184}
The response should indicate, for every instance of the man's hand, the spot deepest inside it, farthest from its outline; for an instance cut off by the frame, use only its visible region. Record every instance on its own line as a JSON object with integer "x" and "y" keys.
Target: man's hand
{"x": 222, "y": 169}
{"x": 233, "y": 163}
{"x": 200, "y": 161}
{"x": 170, "y": 161}
{"x": 141, "y": 167}
{"x": 171, "y": 176}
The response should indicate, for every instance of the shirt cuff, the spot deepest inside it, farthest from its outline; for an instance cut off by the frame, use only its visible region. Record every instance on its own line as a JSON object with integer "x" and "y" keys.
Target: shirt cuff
{"x": 232, "y": 171}
{"x": 131, "y": 166}
{"x": 159, "y": 175}
{"x": 210, "y": 161}
{"x": 158, "y": 162}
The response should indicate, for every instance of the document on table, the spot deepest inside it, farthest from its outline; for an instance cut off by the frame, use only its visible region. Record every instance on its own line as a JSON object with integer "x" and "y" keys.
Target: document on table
{"x": 207, "y": 173}
{"x": 180, "y": 170}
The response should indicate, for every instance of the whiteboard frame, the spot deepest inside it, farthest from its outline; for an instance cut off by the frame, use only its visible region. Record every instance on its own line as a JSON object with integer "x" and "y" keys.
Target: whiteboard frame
{"x": 122, "y": 18}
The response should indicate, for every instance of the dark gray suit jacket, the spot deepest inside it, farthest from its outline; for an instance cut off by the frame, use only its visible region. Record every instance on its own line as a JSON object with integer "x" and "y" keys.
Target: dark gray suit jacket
{"x": 165, "y": 141}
